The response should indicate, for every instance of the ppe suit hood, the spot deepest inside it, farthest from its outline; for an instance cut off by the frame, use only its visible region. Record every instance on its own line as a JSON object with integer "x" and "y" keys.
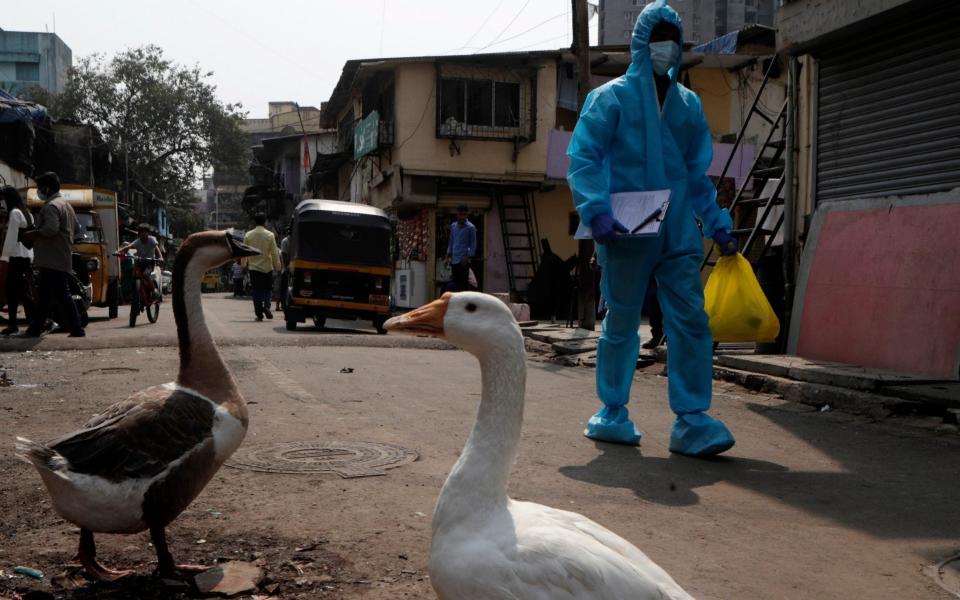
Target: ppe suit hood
{"x": 640, "y": 42}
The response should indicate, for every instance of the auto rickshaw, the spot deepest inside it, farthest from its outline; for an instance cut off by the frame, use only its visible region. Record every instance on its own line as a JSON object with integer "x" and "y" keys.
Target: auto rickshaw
{"x": 340, "y": 264}
{"x": 96, "y": 241}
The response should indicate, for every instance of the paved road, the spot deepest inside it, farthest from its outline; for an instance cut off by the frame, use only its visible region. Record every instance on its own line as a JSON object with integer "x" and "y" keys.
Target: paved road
{"x": 807, "y": 505}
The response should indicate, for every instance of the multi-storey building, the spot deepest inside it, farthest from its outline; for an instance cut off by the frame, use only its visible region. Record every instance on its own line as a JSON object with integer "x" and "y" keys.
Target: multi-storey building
{"x": 31, "y": 59}
{"x": 703, "y": 20}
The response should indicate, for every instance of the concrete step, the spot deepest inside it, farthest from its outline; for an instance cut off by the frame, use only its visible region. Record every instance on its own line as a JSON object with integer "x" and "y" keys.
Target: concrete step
{"x": 823, "y": 372}
{"x": 820, "y": 395}
{"x": 556, "y": 335}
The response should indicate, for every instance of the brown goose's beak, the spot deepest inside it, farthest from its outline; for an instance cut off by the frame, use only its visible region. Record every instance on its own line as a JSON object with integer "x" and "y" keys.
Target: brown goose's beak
{"x": 426, "y": 320}
{"x": 240, "y": 249}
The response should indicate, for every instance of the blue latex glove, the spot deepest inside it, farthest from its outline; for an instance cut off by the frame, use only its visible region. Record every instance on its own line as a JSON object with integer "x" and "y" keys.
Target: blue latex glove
{"x": 726, "y": 243}
{"x": 605, "y": 228}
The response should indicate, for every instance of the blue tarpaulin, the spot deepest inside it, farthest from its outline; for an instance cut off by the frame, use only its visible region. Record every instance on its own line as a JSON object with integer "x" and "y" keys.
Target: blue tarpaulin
{"x": 12, "y": 109}
{"x": 736, "y": 41}
{"x": 726, "y": 44}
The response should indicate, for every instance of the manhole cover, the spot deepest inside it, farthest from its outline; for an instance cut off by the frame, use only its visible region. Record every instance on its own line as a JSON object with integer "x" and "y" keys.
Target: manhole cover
{"x": 347, "y": 459}
{"x": 947, "y": 574}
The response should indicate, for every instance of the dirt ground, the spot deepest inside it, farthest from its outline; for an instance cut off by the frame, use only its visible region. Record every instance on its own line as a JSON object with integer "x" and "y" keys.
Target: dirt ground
{"x": 807, "y": 505}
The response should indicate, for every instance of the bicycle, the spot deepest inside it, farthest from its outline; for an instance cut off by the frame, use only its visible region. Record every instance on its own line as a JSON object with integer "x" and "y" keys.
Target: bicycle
{"x": 145, "y": 296}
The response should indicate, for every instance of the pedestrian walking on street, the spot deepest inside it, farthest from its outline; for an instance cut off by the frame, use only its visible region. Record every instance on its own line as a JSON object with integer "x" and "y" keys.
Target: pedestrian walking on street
{"x": 284, "y": 271}
{"x": 262, "y": 267}
{"x": 52, "y": 242}
{"x": 17, "y": 256}
{"x": 646, "y": 132}
{"x": 461, "y": 248}
{"x": 236, "y": 274}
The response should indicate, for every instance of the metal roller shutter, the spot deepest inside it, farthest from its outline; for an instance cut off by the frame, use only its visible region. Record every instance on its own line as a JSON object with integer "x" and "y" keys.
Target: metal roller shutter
{"x": 889, "y": 110}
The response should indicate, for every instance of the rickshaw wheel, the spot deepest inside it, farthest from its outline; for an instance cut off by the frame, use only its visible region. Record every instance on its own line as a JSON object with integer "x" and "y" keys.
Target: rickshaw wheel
{"x": 291, "y": 325}
{"x": 378, "y": 323}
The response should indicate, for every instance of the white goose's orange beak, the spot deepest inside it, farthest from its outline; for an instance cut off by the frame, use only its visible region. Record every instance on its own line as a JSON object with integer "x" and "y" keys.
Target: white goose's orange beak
{"x": 426, "y": 320}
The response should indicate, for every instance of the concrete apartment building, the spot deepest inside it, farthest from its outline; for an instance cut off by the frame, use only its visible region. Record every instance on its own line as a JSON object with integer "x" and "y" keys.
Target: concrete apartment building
{"x": 703, "y": 20}
{"x": 225, "y": 191}
{"x": 29, "y": 58}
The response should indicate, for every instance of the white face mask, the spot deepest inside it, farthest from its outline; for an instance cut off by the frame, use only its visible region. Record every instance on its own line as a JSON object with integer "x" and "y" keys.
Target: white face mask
{"x": 663, "y": 56}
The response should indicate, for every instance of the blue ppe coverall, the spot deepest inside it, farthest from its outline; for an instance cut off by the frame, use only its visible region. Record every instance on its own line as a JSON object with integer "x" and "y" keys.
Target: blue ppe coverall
{"x": 623, "y": 143}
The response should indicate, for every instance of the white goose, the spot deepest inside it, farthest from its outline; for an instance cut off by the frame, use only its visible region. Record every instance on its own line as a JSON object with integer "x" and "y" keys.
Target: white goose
{"x": 485, "y": 545}
{"x": 141, "y": 462}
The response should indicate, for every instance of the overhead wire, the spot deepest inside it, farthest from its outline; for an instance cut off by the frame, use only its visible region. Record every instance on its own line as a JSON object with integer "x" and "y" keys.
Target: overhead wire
{"x": 255, "y": 40}
{"x": 466, "y": 44}
{"x": 524, "y": 32}
{"x": 509, "y": 25}
{"x": 383, "y": 24}
{"x": 426, "y": 108}
{"x": 553, "y": 39}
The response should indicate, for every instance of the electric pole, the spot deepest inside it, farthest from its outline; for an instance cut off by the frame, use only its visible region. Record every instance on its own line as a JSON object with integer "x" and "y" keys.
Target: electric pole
{"x": 581, "y": 48}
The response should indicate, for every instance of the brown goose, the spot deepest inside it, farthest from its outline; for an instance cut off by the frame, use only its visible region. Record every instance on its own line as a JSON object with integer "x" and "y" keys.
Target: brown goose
{"x": 141, "y": 462}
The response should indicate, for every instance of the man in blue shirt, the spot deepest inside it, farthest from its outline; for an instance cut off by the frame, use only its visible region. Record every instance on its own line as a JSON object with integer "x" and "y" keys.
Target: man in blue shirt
{"x": 462, "y": 247}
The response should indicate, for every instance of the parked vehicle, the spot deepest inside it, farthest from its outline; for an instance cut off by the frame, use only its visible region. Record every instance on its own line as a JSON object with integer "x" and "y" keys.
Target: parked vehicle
{"x": 81, "y": 288}
{"x": 78, "y": 280}
{"x": 340, "y": 264}
{"x": 210, "y": 282}
{"x": 96, "y": 241}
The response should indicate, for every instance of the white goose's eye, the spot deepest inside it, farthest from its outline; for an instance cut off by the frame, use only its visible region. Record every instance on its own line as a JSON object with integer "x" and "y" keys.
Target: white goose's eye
{"x": 471, "y": 307}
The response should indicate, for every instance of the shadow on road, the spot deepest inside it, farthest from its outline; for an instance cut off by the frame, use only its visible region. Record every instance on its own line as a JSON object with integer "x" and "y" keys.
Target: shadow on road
{"x": 670, "y": 481}
{"x": 890, "y": 486}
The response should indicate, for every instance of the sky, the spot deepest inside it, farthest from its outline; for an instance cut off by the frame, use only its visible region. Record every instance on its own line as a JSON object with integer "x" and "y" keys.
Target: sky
{"x": 295, "y": 50}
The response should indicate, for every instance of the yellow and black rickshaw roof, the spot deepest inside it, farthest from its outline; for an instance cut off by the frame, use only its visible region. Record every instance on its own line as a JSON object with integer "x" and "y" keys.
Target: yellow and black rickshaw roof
{"x": 335, "y": 211}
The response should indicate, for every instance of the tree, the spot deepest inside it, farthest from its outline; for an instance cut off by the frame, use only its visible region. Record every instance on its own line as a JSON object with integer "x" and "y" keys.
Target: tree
{"x": 163, "y": 119}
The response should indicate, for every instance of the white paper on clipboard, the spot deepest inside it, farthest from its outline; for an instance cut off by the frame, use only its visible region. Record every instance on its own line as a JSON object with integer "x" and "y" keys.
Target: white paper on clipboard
{"x": 635, "y": 209}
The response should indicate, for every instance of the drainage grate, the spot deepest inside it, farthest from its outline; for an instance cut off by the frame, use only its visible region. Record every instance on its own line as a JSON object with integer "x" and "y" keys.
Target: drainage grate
{"x": 347, "y": 459}
{"x": 946, "y": 574}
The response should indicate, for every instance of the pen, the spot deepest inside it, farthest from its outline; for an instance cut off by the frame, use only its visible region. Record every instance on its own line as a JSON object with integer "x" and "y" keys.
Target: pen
{"x": 646, "y": 221}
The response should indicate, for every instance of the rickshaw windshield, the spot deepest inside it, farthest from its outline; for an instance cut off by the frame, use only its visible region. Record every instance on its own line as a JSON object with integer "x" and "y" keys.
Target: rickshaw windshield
{"x": 343, "y": 239}
{"x": 89, "y": 232}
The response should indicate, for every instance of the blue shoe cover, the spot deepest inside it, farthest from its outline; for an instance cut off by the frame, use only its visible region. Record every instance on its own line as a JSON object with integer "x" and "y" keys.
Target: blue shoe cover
{"x": 612, "y": 424}
{"x": 699, "y": 434}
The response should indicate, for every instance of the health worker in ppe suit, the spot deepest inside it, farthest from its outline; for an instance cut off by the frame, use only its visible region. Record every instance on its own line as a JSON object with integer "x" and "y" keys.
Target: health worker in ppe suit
{"x": 645, "y": 132}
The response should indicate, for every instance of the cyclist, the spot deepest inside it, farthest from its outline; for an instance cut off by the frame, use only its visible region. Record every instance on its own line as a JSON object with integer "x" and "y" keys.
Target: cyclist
{"x": 147, "y": 247}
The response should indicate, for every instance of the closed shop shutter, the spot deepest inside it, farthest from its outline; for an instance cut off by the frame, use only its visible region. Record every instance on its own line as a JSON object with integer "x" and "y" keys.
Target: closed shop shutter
{"x": 889, "y": 109}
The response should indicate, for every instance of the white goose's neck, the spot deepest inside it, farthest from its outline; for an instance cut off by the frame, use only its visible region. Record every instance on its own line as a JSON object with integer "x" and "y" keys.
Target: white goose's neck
{"x": 478, "y": 481}
{"x": 201, "y": 367}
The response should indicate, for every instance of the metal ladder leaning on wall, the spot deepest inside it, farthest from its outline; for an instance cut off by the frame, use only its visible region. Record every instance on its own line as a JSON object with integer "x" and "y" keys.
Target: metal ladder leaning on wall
{"x": 756, "y": 204}
{"x": 767, "y": 165}
{"x": 520, "y": 246}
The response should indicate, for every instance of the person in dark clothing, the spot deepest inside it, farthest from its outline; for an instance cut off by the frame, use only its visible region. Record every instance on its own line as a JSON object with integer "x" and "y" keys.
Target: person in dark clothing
{"x": 52, "y": 242}
{"x": 17, "y": 256}
{"x": 656, "y": 316}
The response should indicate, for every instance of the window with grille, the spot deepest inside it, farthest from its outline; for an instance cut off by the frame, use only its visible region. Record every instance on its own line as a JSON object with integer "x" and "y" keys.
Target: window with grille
{"x": 485, "y": 104}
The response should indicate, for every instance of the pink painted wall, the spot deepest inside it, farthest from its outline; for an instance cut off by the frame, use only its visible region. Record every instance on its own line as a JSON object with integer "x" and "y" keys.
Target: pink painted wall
{"x": 883, "y": 290}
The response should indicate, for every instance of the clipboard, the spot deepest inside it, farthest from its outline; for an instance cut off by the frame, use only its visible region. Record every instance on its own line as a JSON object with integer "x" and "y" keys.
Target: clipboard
{"x": 642, "y": 213}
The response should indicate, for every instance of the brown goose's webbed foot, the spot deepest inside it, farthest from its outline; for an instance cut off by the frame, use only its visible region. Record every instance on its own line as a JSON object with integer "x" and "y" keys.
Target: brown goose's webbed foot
{"x": 87, "y": 556}
{"x": 166, "y": 568}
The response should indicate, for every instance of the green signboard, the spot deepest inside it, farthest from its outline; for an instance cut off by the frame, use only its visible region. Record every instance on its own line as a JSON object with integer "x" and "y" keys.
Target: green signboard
{"x": 365, "y": 135}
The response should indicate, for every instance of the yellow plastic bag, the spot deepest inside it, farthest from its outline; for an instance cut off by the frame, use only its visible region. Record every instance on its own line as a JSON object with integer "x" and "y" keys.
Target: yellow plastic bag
{"x": 737, "y": 307}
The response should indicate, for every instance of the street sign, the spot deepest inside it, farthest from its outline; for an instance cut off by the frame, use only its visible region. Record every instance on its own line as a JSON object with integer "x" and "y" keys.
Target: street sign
{"x": 365, "y": 135}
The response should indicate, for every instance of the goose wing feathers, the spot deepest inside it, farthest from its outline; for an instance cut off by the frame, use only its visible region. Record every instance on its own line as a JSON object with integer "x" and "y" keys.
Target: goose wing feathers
{"x": 138, "y": 437}
{"x": 551, "y": 554}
